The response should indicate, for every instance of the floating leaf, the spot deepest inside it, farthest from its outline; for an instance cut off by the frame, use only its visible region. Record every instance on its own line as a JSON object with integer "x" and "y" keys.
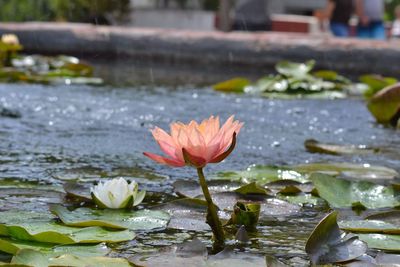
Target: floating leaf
{"x": 12, "y": 246}
{"x": 370, "y": 226}
{"x": 234, "y": 85}
{"x": 36, "y": 259}
{"x": 314, "y": 146}
{"x": 381, "y": 241}
{"x": 376, "y": 83}
{"x": 385, "y": 105}
{"x": 387, "y": 216}
{"x": 118, "y": 219}
{"x": 252, "y": 189}
{"x": 290, "y": 190}
{"x": 293, "y": 69}
{"x": 268, "y": 84}
{"x": 326, "y": 75}
{"x": 347, "y": 170}
{"x": 344, "y": 194}
{"x": 41, "y": 228}
{"x": 325, "y": 244}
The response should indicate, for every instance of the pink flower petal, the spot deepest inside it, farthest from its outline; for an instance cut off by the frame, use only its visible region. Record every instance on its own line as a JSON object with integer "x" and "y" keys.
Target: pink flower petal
{"x": 163, "y": 160}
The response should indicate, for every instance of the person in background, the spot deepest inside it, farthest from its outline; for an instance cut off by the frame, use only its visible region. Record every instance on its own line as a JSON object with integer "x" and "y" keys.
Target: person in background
{"x": 251, "y": 15}
{"x": 396, "y": 23}
{"x": 370, "y": 14}
{"x": 339, "y": 12}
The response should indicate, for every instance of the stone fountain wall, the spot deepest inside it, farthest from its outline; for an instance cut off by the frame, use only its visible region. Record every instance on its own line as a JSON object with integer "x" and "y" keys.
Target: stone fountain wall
{"x": 242, "y": 50}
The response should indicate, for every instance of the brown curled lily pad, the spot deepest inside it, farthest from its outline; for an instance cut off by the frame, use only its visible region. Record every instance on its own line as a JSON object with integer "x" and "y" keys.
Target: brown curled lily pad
{"x": 314, "y": 146}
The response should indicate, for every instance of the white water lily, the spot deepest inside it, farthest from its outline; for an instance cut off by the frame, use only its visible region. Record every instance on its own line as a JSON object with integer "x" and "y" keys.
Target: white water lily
{"x": 117, "y": 194}
{"x": 10, "y": 39}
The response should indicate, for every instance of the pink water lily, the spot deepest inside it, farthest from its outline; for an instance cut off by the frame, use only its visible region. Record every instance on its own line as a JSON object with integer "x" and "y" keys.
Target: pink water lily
{"x": 196, "y": 144}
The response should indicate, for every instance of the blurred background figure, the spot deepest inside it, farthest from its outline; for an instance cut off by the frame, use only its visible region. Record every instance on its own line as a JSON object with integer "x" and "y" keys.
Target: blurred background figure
{"x": 339, "y": 12}
{"x": 396, "y": 24}
{"x": 371, "y": 14}
{"x": 251, "y": 15}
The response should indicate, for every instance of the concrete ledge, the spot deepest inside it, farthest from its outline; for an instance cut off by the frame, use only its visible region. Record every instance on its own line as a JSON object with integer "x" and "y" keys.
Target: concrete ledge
{"x": 248, "y": 50}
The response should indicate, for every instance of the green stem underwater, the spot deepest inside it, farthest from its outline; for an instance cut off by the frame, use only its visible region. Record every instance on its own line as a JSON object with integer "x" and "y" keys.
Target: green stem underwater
{"x": 212, "y": 215}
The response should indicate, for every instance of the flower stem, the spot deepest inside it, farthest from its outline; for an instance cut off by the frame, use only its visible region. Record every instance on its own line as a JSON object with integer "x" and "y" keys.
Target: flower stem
{"x": 212, "y": 215}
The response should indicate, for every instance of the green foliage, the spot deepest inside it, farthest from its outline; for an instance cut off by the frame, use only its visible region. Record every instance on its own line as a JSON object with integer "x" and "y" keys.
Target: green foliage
{"x": 390, "y": 6}
{"x": 63, "y": 10}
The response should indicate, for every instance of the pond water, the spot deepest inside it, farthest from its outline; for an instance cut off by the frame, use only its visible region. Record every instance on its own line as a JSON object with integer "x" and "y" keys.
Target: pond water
{"x": 69, "y": 132}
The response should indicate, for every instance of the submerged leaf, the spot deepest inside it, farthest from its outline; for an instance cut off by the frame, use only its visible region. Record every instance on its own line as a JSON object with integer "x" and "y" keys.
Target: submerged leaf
{"x": 186, "y": 214}
{"x": 179, "y": 256}
{"x": 192, "y": 189}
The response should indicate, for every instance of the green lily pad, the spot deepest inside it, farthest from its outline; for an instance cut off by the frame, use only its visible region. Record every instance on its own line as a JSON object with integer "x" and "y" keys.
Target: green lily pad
{"x": 293, "y": 69}
{"x": 392, "y": 217}
{"x": 12, "y": 246}
{"x": 341, "y": 193}
{"x": 314, "y": 146}
{"x": 385, "y": 105}
{"x": 381, "y": 241}
{"x": 271, "y": 83}
{"x": 369, "y": 226}
{"x": 262, "y": 175}
{"x": 252, "y": 189}
{"x": 236, "y": 85}
{"x": 326, "y": 245}
{"x": 376, "y": 83}
{"x": 349, "y": 171}
{"x": 117, "y": 219}
{"x": 36, "y": 259}
{"x": 382, "y": 222}
{"x": 40, "y": 227}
